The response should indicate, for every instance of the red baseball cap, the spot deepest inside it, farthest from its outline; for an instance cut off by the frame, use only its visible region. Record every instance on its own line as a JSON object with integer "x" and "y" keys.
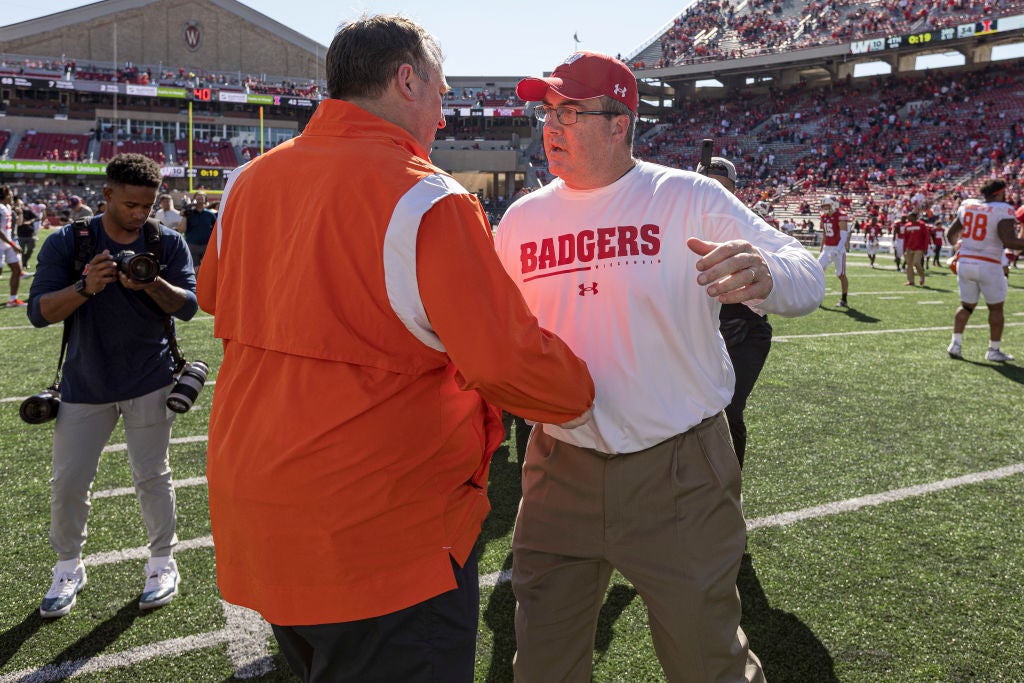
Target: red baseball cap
{"x": 582, "y": 76}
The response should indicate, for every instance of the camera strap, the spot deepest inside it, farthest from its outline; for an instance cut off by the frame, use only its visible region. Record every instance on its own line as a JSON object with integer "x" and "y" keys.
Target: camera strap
{"x": 172, "y": 341}
{"x": 85, "y": 244}
{"x": 85, "y": 249}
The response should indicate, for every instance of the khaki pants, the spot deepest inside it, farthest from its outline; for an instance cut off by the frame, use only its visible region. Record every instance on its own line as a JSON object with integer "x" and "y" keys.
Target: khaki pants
{"x": 668, "y": 518}
{"x": 78, "y": 438}
{"x": 915, "y": 263}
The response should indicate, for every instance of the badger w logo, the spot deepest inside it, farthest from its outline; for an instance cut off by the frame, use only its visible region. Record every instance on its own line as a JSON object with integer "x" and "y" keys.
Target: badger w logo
{"x": 584, "y": 289}
{"x": 192, "y": 33}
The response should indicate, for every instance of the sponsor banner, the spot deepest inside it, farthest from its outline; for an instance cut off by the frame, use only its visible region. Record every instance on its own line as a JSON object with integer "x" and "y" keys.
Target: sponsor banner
{"x": 81, "y": 168}
{"x": 16, "y": 81}
{"x": 59, "y": 167}
{"x": 144, "y": 90}
{"x": 260, "y": 99}
{"x": 238, "y": 97}
{"x": 177, "y": 93}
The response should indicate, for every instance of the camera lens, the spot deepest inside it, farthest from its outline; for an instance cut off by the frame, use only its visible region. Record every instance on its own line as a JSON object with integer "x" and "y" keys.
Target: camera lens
{"x": 190, "y": 381}
{"x": 142, "y": 267}
{"x": 40, "y": 408}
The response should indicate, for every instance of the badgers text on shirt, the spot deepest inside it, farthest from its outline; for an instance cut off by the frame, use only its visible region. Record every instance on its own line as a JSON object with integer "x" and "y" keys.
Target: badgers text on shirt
{"x": 588, "y": 246}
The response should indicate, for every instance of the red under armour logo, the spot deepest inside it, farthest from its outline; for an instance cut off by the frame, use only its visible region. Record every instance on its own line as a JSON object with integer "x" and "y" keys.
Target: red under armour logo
{"x": 584, "y": 289}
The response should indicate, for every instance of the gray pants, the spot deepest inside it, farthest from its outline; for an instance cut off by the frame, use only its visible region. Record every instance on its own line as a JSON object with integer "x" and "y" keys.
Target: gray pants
{"x": 81, "y": 431}
{"x": 668, "y": 518}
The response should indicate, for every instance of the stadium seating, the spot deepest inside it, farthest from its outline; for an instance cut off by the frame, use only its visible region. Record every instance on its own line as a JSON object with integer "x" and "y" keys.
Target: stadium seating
{"x": 52, "y": 146}
{"x": 207, "y": 153}
{"x": 153, "y": 150}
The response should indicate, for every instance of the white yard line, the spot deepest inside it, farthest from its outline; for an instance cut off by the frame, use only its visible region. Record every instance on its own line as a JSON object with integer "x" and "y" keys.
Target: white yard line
{"x": 855, "y": 333}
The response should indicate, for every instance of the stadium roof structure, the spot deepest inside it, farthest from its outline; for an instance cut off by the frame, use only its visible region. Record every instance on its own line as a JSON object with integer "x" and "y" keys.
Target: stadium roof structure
{"x": 215, "y": 35}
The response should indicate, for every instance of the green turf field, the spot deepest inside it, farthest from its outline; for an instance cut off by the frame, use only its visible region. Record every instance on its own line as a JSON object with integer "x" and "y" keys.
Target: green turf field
{"x": 884, "y": 490}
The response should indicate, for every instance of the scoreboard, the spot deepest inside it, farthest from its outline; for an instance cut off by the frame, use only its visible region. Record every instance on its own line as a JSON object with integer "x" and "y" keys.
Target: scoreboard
{"x": 938, "y": 36}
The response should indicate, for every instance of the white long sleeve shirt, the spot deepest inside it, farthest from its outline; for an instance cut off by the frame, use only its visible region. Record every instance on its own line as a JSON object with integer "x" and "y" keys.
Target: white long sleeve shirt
{"x": 608, "y": 270}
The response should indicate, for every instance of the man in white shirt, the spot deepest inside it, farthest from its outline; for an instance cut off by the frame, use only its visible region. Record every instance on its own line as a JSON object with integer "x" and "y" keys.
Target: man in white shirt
{"x": 629, "y": 263}
{"x": 168, "y": 215}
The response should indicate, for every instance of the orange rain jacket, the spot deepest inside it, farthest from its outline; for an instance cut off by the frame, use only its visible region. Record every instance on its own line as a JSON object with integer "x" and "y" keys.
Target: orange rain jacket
{"x": 367, "y": 324}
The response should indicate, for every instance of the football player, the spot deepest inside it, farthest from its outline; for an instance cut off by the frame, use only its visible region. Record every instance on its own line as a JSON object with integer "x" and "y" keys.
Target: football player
{"x": 836, "y": 242}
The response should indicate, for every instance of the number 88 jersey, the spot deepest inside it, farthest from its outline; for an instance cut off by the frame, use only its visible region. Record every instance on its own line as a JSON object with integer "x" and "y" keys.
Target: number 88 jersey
{"x": 980, "y": 237}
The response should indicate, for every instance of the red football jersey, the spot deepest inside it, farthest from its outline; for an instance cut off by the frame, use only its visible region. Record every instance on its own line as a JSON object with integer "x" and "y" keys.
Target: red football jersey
{"x": 830, "y": 223}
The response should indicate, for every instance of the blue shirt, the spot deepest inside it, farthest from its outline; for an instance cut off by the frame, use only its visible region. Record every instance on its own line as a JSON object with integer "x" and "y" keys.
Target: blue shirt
{"x": 199, "y": 226}
{"x": 118, "y": 347}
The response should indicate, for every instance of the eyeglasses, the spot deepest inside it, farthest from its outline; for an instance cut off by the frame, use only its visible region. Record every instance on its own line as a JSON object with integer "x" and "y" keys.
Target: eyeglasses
{"x": 567, "y": 116}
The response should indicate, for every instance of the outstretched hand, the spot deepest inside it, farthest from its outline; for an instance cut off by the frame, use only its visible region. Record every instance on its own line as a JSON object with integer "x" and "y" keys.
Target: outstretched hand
{"x": 733, "y": 272}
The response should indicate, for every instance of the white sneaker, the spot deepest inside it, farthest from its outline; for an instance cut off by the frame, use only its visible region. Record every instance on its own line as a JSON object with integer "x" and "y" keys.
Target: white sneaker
{"x": 63, "y": 593}
{"x": 997, "y": 356}
{"x": 954, "y": 350}
{"x": 162, "y": 581}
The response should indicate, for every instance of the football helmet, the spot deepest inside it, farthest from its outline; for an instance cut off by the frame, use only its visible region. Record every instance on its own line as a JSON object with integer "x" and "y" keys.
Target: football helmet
{"x": 829, "y": 203}
{"x": 763, "y": 209}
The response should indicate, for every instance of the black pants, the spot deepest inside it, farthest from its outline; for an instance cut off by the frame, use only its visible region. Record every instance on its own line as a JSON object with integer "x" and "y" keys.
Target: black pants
{"x": 28, "y": 245}
{"x": 431, "y": 642}
{"x": 748, "y": 343}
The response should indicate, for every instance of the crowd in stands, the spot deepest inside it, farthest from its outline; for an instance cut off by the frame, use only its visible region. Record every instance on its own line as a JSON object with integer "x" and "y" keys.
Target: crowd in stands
{"x": 721, "y": 29}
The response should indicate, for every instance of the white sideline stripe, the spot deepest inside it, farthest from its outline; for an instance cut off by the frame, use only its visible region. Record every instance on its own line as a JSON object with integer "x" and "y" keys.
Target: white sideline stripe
{"x": 852, "y": 504}
{"x": 947, "y": 328}
{"x": 782, "y": 519}
{"x": 246, "y": 633}
{"x": 130, "y": 490}
{"x": 929, "y": 303}
{"x": 118, "y": 447}
{"x": 142, "y": 552}
{"x": 787, "y": 337}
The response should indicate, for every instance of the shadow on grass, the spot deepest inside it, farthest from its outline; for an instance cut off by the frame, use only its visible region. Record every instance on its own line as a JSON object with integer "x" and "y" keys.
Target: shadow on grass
{"x": 787, "y": 648}
{"x": 72, "y": 658}
{"x": 16, "y": 636}
{"x": 1014, "y": 373}
{"x": 850, "y": 312}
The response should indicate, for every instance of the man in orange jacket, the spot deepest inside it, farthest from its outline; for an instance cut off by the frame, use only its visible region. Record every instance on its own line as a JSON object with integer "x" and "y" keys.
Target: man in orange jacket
{"x": 359, "y": 399}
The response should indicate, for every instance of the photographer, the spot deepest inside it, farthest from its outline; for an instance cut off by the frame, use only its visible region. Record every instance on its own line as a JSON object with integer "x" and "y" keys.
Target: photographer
{"x": 119, "y": 362}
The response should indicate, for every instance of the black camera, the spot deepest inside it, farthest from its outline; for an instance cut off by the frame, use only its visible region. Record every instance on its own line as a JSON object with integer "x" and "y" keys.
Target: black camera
{"x": 142, "y": 267}
{"x": 40, "y": 408}
{"x": 190, "y": 381}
